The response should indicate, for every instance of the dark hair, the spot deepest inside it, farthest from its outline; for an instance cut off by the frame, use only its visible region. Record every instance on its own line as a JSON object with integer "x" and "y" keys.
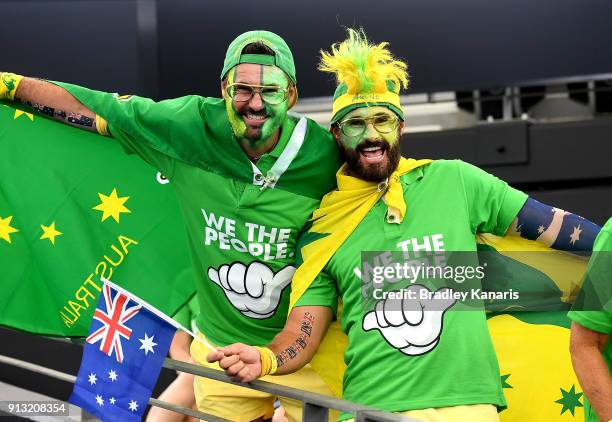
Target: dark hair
{"x": 257, "y": 47}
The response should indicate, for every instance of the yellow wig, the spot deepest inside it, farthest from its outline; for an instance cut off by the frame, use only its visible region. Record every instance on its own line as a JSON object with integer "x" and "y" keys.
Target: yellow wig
{"x": 364, "y": 67}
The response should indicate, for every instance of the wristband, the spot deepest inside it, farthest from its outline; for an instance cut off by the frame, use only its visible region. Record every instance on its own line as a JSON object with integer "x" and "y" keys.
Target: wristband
{"x": 101, "y": 126}
{"x": 268, "y": 361}
{"x": 8, "y": 85}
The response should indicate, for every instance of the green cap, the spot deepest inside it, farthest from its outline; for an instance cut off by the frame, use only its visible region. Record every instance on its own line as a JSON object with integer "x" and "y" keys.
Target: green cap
{"x": 282, "y": 59}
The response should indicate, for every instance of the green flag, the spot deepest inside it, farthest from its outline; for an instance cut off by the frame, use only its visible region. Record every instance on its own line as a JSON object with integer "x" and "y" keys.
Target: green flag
{"x": 74, "y": 208}
{"x": 532, "y": 345}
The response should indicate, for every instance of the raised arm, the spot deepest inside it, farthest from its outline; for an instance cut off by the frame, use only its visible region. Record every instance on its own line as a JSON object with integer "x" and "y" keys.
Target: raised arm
{"x": 554, "y": 227}
{"x": 48, "y": 99}
{"x": 290, "y": 350}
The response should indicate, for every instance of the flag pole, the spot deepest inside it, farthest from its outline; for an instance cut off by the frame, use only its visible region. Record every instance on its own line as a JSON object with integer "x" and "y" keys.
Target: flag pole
{"x": 159, "y": 313}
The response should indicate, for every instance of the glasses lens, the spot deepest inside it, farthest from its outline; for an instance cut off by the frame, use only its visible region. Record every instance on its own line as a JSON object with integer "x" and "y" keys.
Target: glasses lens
{"x": 385, "y": 124}
{"x": 353, "y": 127}
{"x": 241, "y": 93}
{"x": 273, "y": 95}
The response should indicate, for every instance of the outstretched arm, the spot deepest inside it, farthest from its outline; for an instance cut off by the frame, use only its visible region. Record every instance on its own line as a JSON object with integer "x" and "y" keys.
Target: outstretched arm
{"x": 586, "y": 346}
{"x": 554, "y": 227}
{"x": 291, "y": 349}
{"x": 48, "y": 99}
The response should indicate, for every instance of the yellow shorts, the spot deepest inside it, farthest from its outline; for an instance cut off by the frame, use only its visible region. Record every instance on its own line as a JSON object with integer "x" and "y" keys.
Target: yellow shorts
{"x": 471, "y": 413}
{"x": 243, "y": 404}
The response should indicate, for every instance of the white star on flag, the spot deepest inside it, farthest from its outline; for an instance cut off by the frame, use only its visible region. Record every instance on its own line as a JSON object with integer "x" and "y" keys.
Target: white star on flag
{"x": 541, "y": 229}
{"x": 112, "y": 400}
{"x": 99, "y": 400}
{"x": 147, "y": 344}
{"x": 92, "y": 378}
{"x": 112, "y": 375}
{"x": 575, "y": 236}
{"x": 133, "y": 406}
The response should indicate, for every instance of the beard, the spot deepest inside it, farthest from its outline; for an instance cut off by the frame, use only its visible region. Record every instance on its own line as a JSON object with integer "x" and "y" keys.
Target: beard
{"x": 372, "y": 172}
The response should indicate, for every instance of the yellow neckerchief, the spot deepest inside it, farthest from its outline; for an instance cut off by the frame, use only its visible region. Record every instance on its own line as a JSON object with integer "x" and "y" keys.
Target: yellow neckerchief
{"x": 339, "y": 214}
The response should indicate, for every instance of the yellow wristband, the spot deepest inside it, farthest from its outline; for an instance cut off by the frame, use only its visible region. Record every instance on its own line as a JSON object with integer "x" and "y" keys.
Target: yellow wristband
{"x": 264, "y": 358}
{"x": 101, "y": 126}
{"x": 8, "y": 85}
{"x": 274, "y": 366}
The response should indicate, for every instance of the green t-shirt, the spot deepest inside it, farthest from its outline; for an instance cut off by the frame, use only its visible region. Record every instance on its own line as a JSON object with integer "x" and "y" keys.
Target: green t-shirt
{"x": 187, "y": 315}
{"x": 599, "y": 321}
{"x": 242, "y": 235}
{"x": 447, "y": 203}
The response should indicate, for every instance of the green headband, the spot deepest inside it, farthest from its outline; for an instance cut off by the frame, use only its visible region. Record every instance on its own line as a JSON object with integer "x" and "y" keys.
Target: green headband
{"x": 282, "y": 58}
{"x": 344, "y": 103}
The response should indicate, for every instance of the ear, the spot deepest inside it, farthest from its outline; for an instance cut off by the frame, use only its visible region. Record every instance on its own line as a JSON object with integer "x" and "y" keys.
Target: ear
{"x": 223, "y": 86}
{"x": 292, "y": 95}
{"x": 335, "y": 131}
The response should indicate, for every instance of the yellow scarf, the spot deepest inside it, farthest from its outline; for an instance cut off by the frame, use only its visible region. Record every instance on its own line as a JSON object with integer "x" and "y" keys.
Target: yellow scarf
{"x": 339, "y": 214}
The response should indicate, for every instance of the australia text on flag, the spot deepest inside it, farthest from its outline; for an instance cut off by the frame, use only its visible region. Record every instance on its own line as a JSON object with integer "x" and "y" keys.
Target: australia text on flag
{"x": 122, "y": 357}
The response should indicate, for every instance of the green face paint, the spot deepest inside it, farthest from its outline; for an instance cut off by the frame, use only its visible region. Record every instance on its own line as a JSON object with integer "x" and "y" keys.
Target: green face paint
{"x": 370, "y": 132}
{"x": 374, "y": 154}
{"x": 256, "y": 121}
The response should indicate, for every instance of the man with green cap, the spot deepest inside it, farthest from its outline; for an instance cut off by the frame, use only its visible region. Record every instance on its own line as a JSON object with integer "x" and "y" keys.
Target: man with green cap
{"x": 247, "y": 177}
{"x": 412, "y": 346}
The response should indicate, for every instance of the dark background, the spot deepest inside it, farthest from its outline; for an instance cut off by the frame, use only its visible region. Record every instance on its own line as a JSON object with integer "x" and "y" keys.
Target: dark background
{"x": 170, "y": 48}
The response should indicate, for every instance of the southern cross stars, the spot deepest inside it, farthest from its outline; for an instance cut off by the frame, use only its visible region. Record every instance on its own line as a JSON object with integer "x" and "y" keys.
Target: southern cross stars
{"x": 112, "y": 375}
{"x": 21, "y": 112}
{"x": 112, "y": 205}
{"x": 147, "y": 344}
{"x": 575, "y": 236}
{"x": 6, "y": 229}
{"x": 50, "y": 232}
{"x": 92, "y": 378}
{"x": 570, "y": 400}
{"x": 99, "y": 400}
{"x": 133, "y": 406}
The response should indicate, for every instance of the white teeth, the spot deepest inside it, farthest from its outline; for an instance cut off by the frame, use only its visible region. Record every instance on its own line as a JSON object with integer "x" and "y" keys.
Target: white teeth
{"x": 255, "y": 117}
{"x": 371, "y": 149}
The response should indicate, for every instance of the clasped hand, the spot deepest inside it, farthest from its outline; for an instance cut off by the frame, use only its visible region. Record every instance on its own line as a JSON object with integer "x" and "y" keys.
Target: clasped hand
{"x": 242, "y": 363}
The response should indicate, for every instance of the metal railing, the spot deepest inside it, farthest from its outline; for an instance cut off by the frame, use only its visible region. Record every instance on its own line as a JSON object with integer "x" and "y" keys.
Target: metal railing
{"x": 315, "y": 406}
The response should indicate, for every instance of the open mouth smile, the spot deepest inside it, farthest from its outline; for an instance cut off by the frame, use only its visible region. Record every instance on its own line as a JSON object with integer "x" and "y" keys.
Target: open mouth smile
{"x": 255, "y": 119}
{"x": 373, "y": 154}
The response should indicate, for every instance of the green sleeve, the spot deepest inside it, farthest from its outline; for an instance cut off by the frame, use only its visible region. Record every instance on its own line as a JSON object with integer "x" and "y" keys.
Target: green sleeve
{"x": 593, "y": 320}
{"x": 596, "y": 291}
{"x": 184, "y": 316}
{"x": 492, "y": 203}
{"x": 322, "y": 292}
{"x": 159, "y": 132}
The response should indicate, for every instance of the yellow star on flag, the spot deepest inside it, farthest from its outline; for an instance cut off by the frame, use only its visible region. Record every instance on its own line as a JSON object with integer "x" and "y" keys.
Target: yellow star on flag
{"x": 112, "y": 205}
{"x": 20, "y": 112}
{"x": 49, "y": 232}
{"x": 6, "y": 229}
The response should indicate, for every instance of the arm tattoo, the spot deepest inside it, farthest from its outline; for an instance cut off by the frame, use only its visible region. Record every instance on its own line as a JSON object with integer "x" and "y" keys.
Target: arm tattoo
{"x": 71, "y": 118}
{"x": 555, "y": 228}
{"x": 300, "y": 342}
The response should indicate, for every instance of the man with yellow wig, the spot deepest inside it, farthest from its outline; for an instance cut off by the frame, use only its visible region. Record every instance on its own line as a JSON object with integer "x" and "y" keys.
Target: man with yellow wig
{"x": 408, "y": 354}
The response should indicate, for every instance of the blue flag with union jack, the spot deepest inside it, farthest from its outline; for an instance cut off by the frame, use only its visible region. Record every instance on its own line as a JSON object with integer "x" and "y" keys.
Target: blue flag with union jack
{"x": 127, "y": 343}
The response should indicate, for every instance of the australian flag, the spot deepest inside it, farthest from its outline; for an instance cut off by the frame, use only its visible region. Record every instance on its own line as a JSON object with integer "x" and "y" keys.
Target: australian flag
{"x": 122, "y": 357}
